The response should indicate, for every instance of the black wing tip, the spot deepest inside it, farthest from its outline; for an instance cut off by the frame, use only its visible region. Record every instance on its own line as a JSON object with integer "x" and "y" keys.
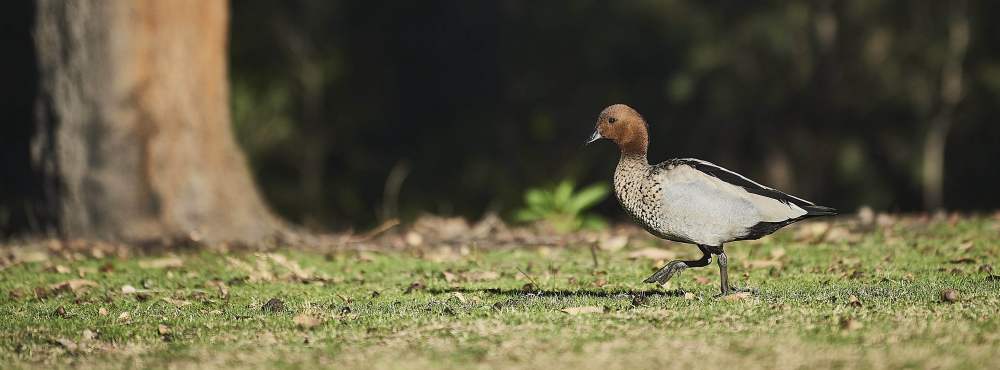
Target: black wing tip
{"x": 821, "y": 211}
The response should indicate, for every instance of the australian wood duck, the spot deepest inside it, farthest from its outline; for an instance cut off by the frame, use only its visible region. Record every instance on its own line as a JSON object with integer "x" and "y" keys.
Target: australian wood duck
{"x": 690, "y": 200}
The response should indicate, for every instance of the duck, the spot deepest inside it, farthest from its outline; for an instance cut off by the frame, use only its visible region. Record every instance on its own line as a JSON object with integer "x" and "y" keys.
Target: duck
{"x": 692, "y": 201}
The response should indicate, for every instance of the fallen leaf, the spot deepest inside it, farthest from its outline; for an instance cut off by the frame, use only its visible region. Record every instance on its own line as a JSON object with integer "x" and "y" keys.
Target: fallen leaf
{"x": 811, "y": 231}
{"x": 102, "y": 311}
{"x": 72, "y": 285}
{"x": 688, "y": 296}
{"x": 582, "y": 310}
{"x": 613, "y": 243}
{"x": 414, "y": 286}
{"x": 124, "y": 316}
{"x": 60, "y": 311}
{"x": 949, "y": 295}
{"x": 221, "y": 287}
{"x": 449, "y": 277}
{"x": 600, "y": 283}
{"x": 273, "y": 305}
{"x": 762, "y": 264}
{"x": 481, "y": 275}
{"x": 128, "y": 289}
{"x": 653, "y": 254}
{"x": 736, "y": 296}
{"x": 306, "y": 321}
{"x": 849, "y": 324}
{"x": 853, "y": 301}
{"x": 84, "y": 271}
{"x": 176, "y": 302}
{"x": 67, "y": 344}
{"x": 841, "y": 234}
{"x": 414, "y": 239}
{"x": 62, "y": 269}
{"x": 88, "y": 334}
{"x": 460, "y": 296}
{"x": 160, "y": 263}
{"x": 163, "y": 329}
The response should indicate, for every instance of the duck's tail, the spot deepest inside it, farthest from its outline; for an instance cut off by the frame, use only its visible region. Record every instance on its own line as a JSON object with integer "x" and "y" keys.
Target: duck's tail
{"x": 814, "y": 211}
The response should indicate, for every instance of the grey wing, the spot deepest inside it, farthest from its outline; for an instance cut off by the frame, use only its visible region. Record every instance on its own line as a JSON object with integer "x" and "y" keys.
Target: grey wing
{"x": 709, "y": 210}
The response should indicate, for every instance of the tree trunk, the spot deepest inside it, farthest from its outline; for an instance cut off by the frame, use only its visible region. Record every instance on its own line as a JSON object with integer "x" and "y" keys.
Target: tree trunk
{"x": 951, "y": 94}
{"x": 133, "y": 129}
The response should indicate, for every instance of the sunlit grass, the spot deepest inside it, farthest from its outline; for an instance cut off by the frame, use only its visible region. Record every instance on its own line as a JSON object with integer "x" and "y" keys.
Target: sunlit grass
{"x": 872, "y": 301}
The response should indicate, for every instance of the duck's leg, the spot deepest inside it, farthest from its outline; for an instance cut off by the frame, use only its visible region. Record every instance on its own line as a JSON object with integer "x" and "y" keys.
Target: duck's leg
{"x": 673, "y": 267}
{"x": 723, "y": 261}
{"x": 723, "y": 271}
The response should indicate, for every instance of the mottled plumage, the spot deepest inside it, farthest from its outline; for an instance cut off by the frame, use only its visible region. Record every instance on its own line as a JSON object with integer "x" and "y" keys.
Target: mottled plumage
{"x": 690, "y": 200}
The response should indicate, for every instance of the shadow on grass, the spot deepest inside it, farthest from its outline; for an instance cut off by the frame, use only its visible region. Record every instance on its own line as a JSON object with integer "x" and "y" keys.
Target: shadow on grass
{"x": 616, "y": 293}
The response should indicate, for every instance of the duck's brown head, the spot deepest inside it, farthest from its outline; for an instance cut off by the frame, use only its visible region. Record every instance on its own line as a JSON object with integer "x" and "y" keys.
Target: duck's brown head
{"x": 624, "y": 126}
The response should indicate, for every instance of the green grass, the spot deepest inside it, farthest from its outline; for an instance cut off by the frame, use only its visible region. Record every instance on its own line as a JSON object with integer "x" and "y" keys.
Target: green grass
{"x": 367, "y": 311}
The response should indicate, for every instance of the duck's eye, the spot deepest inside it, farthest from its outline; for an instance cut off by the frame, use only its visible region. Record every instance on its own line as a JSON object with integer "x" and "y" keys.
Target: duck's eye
{"x": 612, "y": 119}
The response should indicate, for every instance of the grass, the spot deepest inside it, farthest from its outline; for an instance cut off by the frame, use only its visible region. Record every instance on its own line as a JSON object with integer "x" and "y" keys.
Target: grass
{"x": 872, "y": 300}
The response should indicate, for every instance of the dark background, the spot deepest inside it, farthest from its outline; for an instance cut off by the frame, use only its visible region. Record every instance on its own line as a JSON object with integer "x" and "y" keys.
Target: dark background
{"x": 468, "y": 104}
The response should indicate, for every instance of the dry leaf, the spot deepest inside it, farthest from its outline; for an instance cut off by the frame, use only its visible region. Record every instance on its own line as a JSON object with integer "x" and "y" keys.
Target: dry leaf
{"x": 102, "y": 311}
{"x": 582, "y": 310}
{"x": 841, "y": 234}
{"x": 761, "y": 264}
{"x": 73, "y": 285}
{"x": 414, "y": 286}
{"x": 949, "y": 295}
{"x": 160, "y": 263}
{"x": 414, "y": 239}
{"x": 67, "y": 344}
{"x": 853, "y": 301}
{"x": 273, "y": 305}
{"x": 811, "y": 231}
{"x": 306, "y": 321}
{"x": 220, "y": 286}
{"x": 124, "y": 316}
{"x": 128, "y": 289}
{"x": 481, "y": 275}
{"x": 62, "y": 269}
{"x": 849, "y": 324}
{"x": 653, "y": 254}
{"x": 737, "y": 296}
{"x": 600, "y": 283}
{"x": 449, "y": 277}
{"x": 176, "y": 302}
{"x": 688, "y": 296}
{"x": 163, "y": 329}
{"x": 88, "y": 334}
{"x": 613, "y": 243}
{"x": 460, "y": 296}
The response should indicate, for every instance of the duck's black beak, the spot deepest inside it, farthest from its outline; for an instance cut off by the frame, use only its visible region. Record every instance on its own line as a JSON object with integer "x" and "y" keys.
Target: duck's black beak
{"x": 594, "y": 137}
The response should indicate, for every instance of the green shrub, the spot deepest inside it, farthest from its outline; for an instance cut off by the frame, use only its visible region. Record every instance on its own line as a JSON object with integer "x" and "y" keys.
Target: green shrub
{"x": 563, "y": 208}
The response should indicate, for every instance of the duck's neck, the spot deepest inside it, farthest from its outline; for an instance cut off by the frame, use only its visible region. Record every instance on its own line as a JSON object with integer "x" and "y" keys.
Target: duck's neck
{"x": 629, "y": 165}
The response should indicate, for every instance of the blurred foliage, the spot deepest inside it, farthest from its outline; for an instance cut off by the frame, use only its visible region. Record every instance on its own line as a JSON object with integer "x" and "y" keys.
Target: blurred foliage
{"x": 830, "y": 100}
{"x": 563, "y": 208}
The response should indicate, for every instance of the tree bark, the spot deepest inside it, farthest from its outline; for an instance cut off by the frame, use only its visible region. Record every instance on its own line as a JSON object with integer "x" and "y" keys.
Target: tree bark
{"x": 951, "y": 94}
{"x": 133, "y": 128}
